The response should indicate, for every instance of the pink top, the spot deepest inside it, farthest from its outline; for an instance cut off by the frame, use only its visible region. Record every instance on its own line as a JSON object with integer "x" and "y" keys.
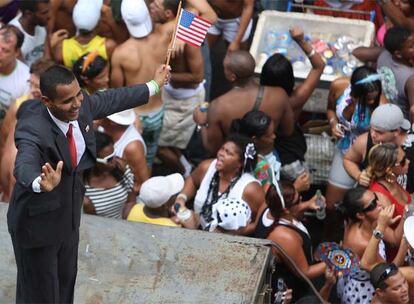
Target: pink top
{"x": 381, "y": 34}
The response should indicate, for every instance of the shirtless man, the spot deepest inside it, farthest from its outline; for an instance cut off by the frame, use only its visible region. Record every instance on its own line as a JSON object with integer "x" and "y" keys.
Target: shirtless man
{"x": 86, "y": 15}
{"x": 108, "y": 26}
{"x": 136, "y": 59}
{"x": 244, "y": 97}
{"x": 184, "y": 93}
{"x": 61, "y": 16}
{"x": 234, "y": 22}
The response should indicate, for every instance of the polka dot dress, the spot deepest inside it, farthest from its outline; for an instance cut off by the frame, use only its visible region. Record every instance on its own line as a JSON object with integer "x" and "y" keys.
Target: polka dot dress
{"x": 356, "y": 288}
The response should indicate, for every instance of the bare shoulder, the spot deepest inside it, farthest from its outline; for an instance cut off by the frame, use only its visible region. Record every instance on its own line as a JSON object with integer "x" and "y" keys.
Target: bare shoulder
{"x": 203, "y": 166}
{"x": 361, "y": 141}
{"x": 275, "y": 94}
{"x": 284, "y": 235}
{"x": 253, "y": 189}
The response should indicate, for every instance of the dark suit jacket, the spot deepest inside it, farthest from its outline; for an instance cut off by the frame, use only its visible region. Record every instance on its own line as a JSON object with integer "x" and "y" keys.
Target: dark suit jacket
{"x": 42, "y": 219}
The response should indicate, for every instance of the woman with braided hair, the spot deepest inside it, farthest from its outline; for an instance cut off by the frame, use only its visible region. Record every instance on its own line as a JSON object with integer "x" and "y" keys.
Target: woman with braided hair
{"x": 227, "y": 176}
{"x": 387, "y": 161}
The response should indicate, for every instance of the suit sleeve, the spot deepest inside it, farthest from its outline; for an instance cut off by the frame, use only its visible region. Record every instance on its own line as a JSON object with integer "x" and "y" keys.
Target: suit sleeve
{"x": 112, "y": 101}
{"x": 29, "y": 157}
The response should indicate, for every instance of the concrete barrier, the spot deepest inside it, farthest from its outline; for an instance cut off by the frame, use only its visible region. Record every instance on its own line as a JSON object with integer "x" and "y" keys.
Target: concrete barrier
{"x": 124, "y": 262}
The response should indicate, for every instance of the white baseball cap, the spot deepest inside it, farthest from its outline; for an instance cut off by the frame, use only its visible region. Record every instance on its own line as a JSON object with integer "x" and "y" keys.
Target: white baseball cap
{"x": 137, "y": 18}
{"x": 389, "y": 117}
{"x": 86, "y": 14}
{"x": 124, "y": 118}
{"x": 157, "y": 190}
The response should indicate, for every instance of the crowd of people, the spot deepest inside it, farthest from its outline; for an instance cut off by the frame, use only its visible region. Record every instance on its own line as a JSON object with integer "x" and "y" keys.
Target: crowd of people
{"x": 249, "y": 174}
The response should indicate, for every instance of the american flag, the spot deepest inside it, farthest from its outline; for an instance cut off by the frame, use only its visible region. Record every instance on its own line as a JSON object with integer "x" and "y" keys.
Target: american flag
{"x": 192, "y": 29}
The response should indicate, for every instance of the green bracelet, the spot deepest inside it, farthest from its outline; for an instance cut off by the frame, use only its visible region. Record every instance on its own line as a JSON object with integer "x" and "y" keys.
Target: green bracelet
{"x": 156, "y": 85}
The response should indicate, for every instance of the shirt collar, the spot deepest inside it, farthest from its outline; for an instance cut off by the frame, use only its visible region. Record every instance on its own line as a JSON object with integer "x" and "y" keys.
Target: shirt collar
{"x": 62, "y": 125}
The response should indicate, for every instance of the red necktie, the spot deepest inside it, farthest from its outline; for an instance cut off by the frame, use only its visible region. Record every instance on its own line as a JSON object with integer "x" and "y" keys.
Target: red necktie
{"x": 72, "y": 147}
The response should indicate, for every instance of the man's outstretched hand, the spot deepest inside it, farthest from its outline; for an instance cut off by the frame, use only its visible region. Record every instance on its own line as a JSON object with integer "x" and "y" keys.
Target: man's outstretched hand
{"x": 162, "y": 75}
{"x": 50, "y": 178}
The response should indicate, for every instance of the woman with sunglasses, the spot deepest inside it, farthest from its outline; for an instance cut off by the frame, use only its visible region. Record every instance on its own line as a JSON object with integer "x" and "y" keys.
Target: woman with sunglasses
{"x": 280, "y": 222}
{"x": 109, "y": 185}
{"x": 361, "y": 209}
{"x": 92, "y": 72}
{"x": 385, "y": 163}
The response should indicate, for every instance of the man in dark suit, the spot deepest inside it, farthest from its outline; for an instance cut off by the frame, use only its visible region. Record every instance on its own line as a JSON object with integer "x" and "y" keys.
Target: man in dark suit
{"x": 55, "y": 142}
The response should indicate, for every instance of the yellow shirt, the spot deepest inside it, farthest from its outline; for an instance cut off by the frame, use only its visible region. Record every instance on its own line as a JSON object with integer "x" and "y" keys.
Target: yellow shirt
{"x": 20, "y": 100}
{"x": 73, "y": 50}
{"x": 137, "y": 215}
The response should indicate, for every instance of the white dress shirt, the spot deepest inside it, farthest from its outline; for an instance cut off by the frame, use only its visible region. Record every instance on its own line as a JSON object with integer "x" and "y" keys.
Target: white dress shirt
{"x": 79, "y": 141}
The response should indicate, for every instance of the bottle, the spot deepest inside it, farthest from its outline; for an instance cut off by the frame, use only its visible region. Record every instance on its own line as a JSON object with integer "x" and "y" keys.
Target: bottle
{"x": 280, "y": 290}
{"x": 321, "y": 212}
{"x": 183, "y": 213}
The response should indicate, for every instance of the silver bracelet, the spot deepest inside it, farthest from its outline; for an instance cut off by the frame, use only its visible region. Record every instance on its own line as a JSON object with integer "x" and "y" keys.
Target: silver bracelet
{"x": 313, "y": 52}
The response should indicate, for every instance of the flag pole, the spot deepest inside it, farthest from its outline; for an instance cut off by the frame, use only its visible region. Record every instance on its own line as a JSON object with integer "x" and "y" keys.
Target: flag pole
{"x": 172, "y": 42}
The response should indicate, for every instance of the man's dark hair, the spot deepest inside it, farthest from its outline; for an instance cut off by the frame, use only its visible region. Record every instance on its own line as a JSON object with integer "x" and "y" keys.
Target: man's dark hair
{"x": 380, "y": 273}
{"x": 40, "y": 66}
{"x": 52, "y": 77}
{"x": 103, "y": 140}
{"x": 395, "y": 38}
{"x": 30, "y": 5}
{"x": 173, "y": 5}
{"x": 9, "y": 29}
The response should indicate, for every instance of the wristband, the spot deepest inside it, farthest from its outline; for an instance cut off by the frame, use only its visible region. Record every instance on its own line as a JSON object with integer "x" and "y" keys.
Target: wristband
{"x": 156, "y": 85}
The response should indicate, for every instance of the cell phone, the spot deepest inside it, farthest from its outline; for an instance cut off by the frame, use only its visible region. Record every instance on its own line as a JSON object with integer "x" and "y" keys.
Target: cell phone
{"x": 280, "y": 289}
{"x": 281, "y": 286}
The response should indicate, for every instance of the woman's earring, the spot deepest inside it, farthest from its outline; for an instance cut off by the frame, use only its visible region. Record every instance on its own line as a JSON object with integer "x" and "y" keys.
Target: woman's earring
{"x": 390, "y": 177}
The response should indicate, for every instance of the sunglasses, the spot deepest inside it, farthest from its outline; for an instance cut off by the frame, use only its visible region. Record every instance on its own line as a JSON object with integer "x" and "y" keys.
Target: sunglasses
{"x": 106, "y": 159}
{"x": 372, "y": 205}
{"x": 402, "y": 162}
{"x": 388, "y": 272}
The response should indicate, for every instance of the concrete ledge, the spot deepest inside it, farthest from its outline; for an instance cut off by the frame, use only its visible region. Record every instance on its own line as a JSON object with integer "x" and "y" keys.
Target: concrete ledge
{"x": 124, "y": 262}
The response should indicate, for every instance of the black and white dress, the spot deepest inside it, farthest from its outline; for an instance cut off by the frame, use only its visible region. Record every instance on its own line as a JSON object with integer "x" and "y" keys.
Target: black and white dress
{"x": 356, "y": 288}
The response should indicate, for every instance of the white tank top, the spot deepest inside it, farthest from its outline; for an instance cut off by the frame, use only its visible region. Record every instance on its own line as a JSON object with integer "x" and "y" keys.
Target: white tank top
{"x": 236, "y": 192}
{"x": 130, "y": 134}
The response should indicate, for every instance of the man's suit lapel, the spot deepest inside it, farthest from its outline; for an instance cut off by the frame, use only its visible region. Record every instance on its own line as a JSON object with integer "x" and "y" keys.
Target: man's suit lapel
{"x": 61, "y": 142}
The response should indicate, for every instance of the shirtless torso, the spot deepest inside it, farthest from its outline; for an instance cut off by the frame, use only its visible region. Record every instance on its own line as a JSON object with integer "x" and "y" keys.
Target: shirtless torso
{"x": 238, "y": 102}
{"x": 136, "y": 60}
{"x": 61, "y": 16}
{"x": 187, "y": 68}
{"x": 228, "y": 9}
